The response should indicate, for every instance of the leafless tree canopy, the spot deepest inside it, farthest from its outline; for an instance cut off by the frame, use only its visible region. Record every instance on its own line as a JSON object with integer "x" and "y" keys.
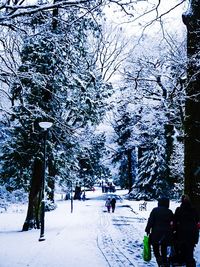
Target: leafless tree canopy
{"x": 10, "y": 10}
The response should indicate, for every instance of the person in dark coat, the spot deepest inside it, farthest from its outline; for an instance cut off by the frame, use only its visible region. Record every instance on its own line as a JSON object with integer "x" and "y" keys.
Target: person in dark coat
{"x": 77, "y": 194}
{"x": 113, "y": 204}
{"x": 108, "y": 204}
{"x": 160, "y": 231}
{"x": 186, "y": 232}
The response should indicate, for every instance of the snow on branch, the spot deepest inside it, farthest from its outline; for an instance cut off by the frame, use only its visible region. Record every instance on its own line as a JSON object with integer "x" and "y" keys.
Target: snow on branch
{"x": 13, "y": 11}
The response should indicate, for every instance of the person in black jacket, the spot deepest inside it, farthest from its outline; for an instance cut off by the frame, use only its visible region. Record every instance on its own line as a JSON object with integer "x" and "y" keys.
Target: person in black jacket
{"x": 186, "y": 232}
{"x": 160, "y": 231}
{"x": 113, "y": 204}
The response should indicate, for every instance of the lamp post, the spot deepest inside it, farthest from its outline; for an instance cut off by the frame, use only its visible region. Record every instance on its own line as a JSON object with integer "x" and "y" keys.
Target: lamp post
{"x": 45, "y": 126}
{"x": 84, "y": 171}
{"x": 72, "y": 197}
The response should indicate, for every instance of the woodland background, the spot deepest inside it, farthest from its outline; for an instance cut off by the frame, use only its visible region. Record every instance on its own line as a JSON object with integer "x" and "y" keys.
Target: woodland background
{"x": 118, "y": 79}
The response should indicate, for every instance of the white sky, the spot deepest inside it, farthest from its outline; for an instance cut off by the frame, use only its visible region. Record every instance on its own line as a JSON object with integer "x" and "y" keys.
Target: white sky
{"x": 173, "y": 20}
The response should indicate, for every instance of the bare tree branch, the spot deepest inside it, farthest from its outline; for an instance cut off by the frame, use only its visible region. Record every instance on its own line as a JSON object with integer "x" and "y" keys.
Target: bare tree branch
{"x": 22, "y": 10}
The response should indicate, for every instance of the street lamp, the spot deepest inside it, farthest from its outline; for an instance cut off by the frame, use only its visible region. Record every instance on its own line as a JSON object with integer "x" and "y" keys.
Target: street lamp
{"x": 45, "y": 126}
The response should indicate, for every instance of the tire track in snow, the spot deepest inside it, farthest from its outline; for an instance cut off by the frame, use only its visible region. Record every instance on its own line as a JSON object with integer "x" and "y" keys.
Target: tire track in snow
{"x": 109, "y": 243}
{"x": 130, "y": 228}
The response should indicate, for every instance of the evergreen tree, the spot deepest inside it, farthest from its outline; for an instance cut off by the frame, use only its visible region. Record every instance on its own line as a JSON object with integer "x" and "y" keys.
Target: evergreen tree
{"x": 151, "y": 181}
{"x": 58, "y": 82}
{"x": 124, "y": 156}
{"x": 154, "y": 90}
{"x": 90, "y": 158}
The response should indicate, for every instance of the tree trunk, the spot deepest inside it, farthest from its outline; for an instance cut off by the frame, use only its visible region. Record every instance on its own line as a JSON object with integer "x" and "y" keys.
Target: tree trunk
{"x": 33, "y": 213}
{"x": 55, "y": 18}
{"x": 51, "y": 179}
{"x": 130, "y": 176}
{"x": 169, "y": 132}
{"x": 192, "y": 104}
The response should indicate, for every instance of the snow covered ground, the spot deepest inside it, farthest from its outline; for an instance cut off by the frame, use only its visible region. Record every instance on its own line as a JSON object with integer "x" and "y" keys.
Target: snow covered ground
{"x": 88, "y": 237}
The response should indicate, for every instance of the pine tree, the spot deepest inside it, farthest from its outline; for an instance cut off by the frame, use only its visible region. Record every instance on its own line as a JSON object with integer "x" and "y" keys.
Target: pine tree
{"x": 57, "y": 81}
{"x": 153, "y": 88}
{"x": 124, "y": 156}
{"x": 90, "y": 159}
{"x": 151, "y": 181}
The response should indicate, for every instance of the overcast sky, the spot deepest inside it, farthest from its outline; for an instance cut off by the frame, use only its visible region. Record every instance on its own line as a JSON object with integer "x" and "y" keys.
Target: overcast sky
{"x": 173, "y": 19}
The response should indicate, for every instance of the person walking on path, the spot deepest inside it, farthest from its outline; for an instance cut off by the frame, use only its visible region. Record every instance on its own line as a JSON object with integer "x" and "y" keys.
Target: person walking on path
{"x": 113, "y": 204}
{"x": 159, "y": 229}
{"x": 186, "y": 232}
{"x": 108, "y": 204}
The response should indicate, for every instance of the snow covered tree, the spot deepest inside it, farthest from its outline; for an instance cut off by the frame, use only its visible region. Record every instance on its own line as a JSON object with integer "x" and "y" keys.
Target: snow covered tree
{"x": 90, "y": 158}
{"x": 154, "y": 89}
{"x": 57, "y": 81}
{"x": 154, "y": 77}
{"x": 151, "y": 181}
{"x": 123, "y": 156}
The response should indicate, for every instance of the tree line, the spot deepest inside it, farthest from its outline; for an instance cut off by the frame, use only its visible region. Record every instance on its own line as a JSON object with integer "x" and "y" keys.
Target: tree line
{"x": 56, "y": 65}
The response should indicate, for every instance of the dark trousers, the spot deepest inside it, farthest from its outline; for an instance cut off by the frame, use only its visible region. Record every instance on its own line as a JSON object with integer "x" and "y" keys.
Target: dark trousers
{"x": 113, "y": 208}
{"x": 160, "y": 252}
{"x": 185, "y": 254}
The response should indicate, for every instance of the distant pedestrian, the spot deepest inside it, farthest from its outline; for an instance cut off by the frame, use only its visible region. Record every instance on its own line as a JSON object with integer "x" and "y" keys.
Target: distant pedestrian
{"x": 108, "y": 204}
{"x": 186, "y": 232}
{"x": 159, "y": 229}
{"x": 83, "y": 196}
{"x": 113, "y": 204}
{"x": 106, "y": 188}
{"x": 77, "y": 194}
{"x": 103, "y": 187}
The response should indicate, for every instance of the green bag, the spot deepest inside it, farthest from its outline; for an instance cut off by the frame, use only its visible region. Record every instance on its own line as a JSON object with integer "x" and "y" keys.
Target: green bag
{"x": 146, "y": 249}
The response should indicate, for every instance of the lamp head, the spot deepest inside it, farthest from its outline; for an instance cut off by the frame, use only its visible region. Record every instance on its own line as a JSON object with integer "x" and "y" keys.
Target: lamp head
{"x": 45, "y": 124}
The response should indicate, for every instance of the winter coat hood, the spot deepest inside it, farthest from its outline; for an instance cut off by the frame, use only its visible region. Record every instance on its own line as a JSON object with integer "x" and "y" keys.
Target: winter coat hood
{"x": 185, "y": 202}
{"x": 163, "y": 202}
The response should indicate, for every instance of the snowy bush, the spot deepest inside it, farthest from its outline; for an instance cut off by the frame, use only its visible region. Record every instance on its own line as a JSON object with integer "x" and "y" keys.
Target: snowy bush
{"x": 49, "y": 205}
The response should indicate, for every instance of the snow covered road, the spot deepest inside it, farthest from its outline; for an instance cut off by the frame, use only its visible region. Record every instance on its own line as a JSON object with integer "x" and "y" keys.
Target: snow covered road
{"x": 118, "y": 239}
{"x": 88, "y": 237}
